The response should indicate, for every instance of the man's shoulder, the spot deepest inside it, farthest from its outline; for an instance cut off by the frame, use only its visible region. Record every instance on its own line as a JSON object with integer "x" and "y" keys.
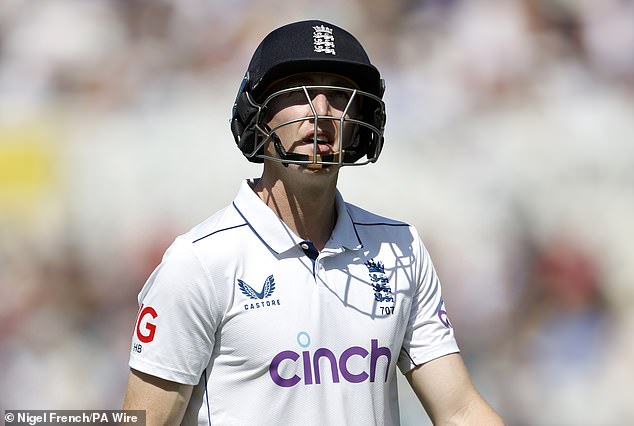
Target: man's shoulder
{"x": 375, "y": 230}
{"x": 220, "y": 222}
{"x": 363, "y": 217}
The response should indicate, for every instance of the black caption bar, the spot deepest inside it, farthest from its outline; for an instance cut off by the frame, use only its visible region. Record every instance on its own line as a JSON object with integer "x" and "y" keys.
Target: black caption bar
{"x": 74, "y": 417}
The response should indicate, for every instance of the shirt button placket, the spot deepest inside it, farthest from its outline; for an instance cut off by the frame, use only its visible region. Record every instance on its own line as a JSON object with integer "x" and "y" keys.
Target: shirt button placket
{"x": 311, "y": 252}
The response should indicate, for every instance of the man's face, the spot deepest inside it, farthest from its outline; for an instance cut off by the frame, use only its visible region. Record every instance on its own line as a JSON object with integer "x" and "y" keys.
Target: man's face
{"x": 291, "y": 116}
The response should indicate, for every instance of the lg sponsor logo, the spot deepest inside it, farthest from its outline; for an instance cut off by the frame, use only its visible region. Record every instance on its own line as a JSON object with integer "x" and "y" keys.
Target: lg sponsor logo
{"x": 309, "y": 371}
{"x": 145, "y": 330}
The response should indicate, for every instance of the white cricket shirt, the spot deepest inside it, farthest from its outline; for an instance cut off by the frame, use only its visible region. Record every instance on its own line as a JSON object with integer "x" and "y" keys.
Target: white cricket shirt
{"x": 271, "y": 332}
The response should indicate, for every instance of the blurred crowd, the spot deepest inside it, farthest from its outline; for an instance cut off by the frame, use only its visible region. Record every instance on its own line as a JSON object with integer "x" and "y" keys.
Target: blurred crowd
{"x": 509, "y": 144}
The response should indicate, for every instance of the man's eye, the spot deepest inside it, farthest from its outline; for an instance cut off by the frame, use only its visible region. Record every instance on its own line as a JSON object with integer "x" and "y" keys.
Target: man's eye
{"x": 294, "y": 96}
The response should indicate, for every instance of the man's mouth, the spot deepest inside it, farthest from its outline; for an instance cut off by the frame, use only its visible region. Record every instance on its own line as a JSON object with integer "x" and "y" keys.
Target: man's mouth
{"x": 324, "y": 143}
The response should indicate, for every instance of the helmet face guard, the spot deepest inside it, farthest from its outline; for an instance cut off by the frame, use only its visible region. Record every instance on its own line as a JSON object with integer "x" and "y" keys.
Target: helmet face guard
{"x": 360, "y": 127}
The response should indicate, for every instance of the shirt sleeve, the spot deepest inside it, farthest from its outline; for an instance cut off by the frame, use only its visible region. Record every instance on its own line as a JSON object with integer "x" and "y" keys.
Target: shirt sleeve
{"x": 429, "y": 334}
{"x": 178, "y": 315}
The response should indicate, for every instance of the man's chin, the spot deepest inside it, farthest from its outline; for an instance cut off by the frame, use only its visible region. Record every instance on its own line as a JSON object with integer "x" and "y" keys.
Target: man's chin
{"x": 318, "y": 168}
{"x": 329, "y": 155}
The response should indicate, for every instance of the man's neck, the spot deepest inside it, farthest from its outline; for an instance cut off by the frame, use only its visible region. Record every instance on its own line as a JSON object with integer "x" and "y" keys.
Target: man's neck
{"x": 307, "y": 210}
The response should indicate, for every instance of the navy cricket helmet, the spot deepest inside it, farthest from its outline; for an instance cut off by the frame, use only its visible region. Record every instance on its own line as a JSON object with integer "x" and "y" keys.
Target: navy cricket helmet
{"x": 305, "y": 47}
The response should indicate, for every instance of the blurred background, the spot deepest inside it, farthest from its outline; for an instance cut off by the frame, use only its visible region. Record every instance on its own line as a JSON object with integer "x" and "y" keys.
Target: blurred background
{"x": 509, "y": 144}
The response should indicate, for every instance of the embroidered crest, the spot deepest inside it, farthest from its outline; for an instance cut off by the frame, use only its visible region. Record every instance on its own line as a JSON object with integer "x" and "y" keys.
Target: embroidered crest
{"x": 380, "y": 282}
{"x": 267, "y": 289}
{"x": 323, "y": 40}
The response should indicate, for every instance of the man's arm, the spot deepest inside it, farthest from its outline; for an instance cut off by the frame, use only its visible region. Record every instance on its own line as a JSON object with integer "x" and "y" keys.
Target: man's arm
{"x": 164, "y": 401}
{"x": 444, "y": 388}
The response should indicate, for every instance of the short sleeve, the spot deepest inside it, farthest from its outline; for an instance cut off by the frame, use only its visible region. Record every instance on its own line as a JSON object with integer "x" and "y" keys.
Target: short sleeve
{"x": 178, "y": 315}
{"x": 429, "y": 332}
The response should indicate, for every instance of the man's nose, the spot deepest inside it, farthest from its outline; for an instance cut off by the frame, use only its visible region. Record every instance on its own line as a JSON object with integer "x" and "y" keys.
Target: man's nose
{"x": 321, "y": 104}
